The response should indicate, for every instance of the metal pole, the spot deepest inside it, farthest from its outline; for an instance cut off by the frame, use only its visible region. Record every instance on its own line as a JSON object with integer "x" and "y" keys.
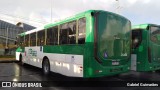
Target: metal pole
{"x": 7, "y": 39}
{"x": 118, "y": 7}
{"x": 51, "y": 10}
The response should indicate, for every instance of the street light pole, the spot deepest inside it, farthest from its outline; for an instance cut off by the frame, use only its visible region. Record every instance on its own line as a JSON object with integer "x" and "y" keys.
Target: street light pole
{"x": 51, "y": 11}
{"x": 118, "y": 7}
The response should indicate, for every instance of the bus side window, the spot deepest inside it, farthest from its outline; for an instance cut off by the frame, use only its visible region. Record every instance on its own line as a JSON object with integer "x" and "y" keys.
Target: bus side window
{"x": 27, "y": 40}
{"x": 41, "y": 38}
{"x": 68, "y": 33}
{"x": 49, "y": 37}
{"x": 63, "y": 37}
{"x": 55, "y": 35}
{"x": 81, "y": 30}
{"x": 21, "y": 41}
{"x": 33, "y": 39}
{"x": 52, "y": 36}
{"x": 72, "y": 32}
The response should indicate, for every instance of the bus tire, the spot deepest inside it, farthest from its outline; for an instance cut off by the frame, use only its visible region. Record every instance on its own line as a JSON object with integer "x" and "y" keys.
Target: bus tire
{"x": 46, "y": 66}
{"x": 20, "y": 60}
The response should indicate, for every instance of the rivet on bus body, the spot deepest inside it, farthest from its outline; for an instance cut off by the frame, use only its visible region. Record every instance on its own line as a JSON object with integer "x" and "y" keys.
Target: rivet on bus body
{"x": 96, "y": 71}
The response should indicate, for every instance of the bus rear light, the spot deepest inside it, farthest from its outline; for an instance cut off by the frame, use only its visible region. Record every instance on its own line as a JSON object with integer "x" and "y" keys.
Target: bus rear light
{"x": 77, "y": 69}
{"x": 80, "y": 68}
{"x": 98, "y": 71}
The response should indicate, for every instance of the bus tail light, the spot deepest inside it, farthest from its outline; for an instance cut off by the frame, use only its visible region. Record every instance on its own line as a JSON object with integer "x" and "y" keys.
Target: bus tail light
{"x": 80, "y": 68}
{"x": 98, "y": 71}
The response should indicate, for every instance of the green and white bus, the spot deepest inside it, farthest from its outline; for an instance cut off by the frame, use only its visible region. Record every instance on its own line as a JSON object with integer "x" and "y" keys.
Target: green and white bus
{"x": 145, "y": 47}
{"x": 93, "y": 43}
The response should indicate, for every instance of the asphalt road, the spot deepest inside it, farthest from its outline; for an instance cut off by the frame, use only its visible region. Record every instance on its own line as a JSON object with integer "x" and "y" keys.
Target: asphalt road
{"x": 12, "y": 71}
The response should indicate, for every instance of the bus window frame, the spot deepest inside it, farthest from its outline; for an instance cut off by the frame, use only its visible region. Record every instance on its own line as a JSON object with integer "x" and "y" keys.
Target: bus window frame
{"x": 78, "y": 30}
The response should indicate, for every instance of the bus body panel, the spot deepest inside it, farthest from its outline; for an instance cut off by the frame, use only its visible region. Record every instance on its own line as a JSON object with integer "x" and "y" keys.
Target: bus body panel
{"x": 97, "y": 70}
{"x": 65, "y": 64}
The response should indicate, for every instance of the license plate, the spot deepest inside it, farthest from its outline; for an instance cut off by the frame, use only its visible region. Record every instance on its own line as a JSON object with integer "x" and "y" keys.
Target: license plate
{"x": 115, "y": 63}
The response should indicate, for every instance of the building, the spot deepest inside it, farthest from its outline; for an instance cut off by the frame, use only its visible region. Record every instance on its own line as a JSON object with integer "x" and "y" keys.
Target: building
{"x": 8, "y": 33}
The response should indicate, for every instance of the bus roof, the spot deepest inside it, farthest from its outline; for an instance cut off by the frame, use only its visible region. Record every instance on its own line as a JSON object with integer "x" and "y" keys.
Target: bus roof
{"x": 74, "y": 17}
{"x": 77, "y": 16}
{"x": 143, "y": 26}
{"x": 80, "y": 15}
{"x": 31, "y": 31}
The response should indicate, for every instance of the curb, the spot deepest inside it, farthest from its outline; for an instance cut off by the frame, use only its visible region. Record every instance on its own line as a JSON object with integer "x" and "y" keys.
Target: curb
{"x": 9, "y": 61}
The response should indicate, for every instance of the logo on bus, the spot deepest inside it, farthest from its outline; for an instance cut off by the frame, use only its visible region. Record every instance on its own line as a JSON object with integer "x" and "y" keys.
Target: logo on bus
{"x": 32, "y": 52}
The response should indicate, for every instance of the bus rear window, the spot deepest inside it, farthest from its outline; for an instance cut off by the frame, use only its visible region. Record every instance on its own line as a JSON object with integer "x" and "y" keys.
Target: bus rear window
{"x": 136, "y": 38}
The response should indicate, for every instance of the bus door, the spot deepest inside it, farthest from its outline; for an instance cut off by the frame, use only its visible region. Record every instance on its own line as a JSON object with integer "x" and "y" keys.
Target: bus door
{"x": 136, "y": 41}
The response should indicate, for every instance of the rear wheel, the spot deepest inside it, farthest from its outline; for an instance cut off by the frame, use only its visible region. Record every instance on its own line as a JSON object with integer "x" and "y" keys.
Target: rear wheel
{"x": 46, "y": 67}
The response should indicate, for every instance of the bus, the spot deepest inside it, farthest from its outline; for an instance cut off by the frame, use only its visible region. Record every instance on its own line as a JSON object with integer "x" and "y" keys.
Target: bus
{"x": 93, "y": 43}
{"x": 145, "y": 47}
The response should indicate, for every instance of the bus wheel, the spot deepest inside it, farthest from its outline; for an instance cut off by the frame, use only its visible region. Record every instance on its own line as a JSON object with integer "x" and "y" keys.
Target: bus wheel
{"x": 20, "y": 60}
{"x": 45, "y": 66}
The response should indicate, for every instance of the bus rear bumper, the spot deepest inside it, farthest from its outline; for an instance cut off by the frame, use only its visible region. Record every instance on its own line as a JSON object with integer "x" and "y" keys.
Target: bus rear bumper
{"x": 108, "y": 71}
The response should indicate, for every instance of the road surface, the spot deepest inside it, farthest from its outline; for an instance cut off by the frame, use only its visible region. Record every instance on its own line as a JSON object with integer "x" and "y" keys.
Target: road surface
{"x": 12, "y": 71}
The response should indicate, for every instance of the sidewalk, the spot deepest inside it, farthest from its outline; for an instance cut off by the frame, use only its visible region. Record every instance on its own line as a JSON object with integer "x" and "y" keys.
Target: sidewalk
{"x": 4, "y": 60}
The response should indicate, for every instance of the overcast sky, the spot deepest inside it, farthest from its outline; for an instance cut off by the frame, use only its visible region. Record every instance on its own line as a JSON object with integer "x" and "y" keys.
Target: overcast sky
{"x": 38, "y": 12}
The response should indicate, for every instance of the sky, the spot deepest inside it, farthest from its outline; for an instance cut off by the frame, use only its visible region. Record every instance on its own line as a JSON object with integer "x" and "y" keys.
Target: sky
{"x": 38, "y": 12}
